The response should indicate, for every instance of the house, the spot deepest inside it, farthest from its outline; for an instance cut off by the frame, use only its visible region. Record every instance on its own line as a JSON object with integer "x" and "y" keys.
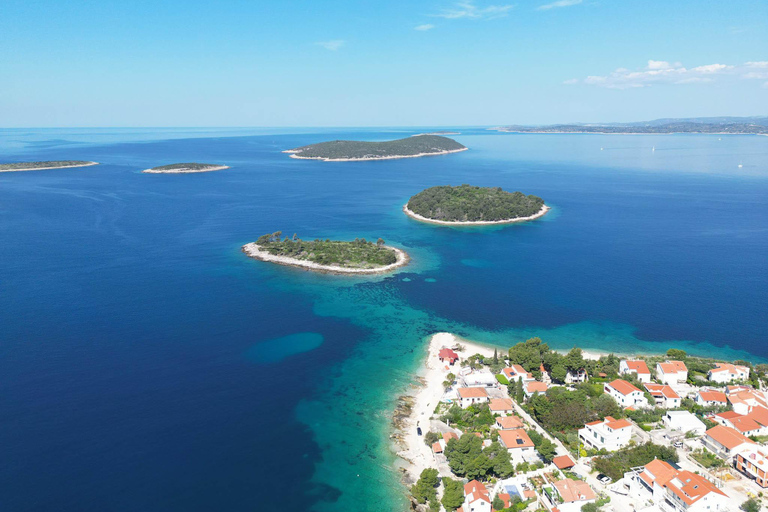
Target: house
{"x": 684, "y": 421}
{"x": 563, "y": 462}
{"x": 710, "y": 398}
{"x": 534, "y": 387}
{"x": 725, "y": 372}
{"x": 518, "y": 444}
{"x": 609, "y": 434}
{"x": 471, "y": 396}
{"x": 638, "y": 367}
{"x": 447, "y": 355}
{"x": 574, "y": 493}
{"x": 726, "y": 442}
{"x": 476, "y": 498}
{"x": 744, "y": 399}
{"x": 672, "y": 372}
{"x": 545, "y": 375}
{"x": 516, "y": 372}
{"x": 438, "y": 447}
{"x": 673, "y": 490}
{"x": 754, "y": 463}
{"x": 503, "y": 406}
{"x": 625, "y": 394}
{"x": 576, "y": 376}
{"x": 754, "y": 423}
{"x": 663, "y": 395}
{"x": 508, "y": 422}
{"x": 480, "y": 379}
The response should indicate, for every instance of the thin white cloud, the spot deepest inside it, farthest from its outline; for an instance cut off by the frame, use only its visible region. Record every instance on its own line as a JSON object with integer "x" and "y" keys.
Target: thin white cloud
{"x": 572, "y": 81}
{"x": 331, "y": 45}
{"x": 424, "y": 27}
{"x": 469, "y": 10}
{"x": 658, "y": 72}
{"x": 558, "y": 4}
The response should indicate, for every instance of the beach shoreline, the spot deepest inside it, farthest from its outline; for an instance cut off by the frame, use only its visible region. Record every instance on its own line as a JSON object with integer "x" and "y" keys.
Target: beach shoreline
{"x": 294, "y": 154}
{"x": 420, "y": 218}
{"x": 254, "y": 251}
{"x": 185, "y": 171}
{"x": 87, "y": 164}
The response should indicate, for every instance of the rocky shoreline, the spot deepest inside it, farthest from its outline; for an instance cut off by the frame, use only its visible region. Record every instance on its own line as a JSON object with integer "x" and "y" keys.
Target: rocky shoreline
{"x": 416, "y": 216}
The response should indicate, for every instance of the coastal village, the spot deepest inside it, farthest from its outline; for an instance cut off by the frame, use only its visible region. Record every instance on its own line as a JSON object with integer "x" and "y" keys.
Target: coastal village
{"x": 536, "y": 430}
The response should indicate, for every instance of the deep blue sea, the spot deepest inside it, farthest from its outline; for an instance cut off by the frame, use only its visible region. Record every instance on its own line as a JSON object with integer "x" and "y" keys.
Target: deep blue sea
{"x": 147, "y": 365}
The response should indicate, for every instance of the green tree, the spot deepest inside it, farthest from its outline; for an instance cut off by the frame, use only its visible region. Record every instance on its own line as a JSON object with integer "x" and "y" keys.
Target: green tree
{"x": 574, "y": 360}
{"x": 590, "y": 507}
{"x": 751, "y": 505}
{"x": 425, "y": 489}
{"x": 460, "y": 452}
{"x": 675, "y": 353}
{"x": 453, "y": 494}
{"x": 558, "y": 373}
{"x": 431, "y": 438}
{"x": 497, "y": 503}
{"x": 379, "y": 242}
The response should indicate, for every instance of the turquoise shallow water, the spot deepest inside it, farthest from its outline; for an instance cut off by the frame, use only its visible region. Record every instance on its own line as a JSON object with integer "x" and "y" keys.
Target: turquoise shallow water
{"x": 144, "y": 356}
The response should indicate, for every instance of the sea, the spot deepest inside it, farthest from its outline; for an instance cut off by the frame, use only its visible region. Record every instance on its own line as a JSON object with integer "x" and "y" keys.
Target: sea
{"x": 146, "y": 364}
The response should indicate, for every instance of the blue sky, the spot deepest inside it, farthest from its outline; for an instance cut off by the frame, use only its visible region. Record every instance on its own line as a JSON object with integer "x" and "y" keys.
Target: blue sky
{"x": 378, "y": 63}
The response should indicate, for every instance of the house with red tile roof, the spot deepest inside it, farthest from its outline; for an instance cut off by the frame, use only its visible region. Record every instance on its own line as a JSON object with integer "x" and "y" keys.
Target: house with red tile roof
{"x": 663, "y": 395}
{"x": 476, "y": 498}
{"x": 710, "y": 398}
{"x": 502, "y": 406}
{"x": 754, "y": 423}
{"x": 625, "y": 394}
{"x": 726, "y": 372}
{"x": 448, "y": 356}
{"x": 534, "y": 387}
{"x": 726, "y": 442}
{"x": 610, "y": 434}
{"x": 518, "y": 444}
{"x": 744, "y": 399}
{"x": 574, "y": 494}
{"x": 563, "y": 462}
{"x": 508, "y": 422}
{"x": 638, "y": 367}
{"x": 471, "y": 396}
{"x": 672, "y": 372}
{"x": 516, "y": 372}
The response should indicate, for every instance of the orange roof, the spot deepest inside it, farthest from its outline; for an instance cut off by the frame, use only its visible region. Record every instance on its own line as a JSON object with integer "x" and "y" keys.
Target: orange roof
{"x": 515, "y": 438}
{"x": 639, "y": 366}
{"x": 691, "y": 487}
{"x": 473, "y": 393}
{"x": 673, "y": 367}
{"x": 508, "y": 422}
{"x": 506, "y": 498}
{"x": 759, "y": 414}
{"x": 661, "y": 390}
{"x": 474, "y": 486}
{"x": 528, "y": 493}
{"x": 730, "y": 368}
{"x": 536, "y": 387}
{"x": 727, "y": 436}
{"x": 563, "y": 462}
{"x": 622, "y": 386}
{"x": 501, "y": 404}
{"x": 713, "y": 396}
{"x": 574, "y": 490}
{"x": 744, "y": 424}
{"x": 447, "y": 436}
{"x": 617, "y": 424}
{"x": 437, "y": 448}
{"x": 658, "y": 471}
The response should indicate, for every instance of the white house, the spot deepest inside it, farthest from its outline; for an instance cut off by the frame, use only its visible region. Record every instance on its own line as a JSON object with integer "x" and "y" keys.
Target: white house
{"x": 478, "y": 380}
{"x": 576, "y": 377}
{"x": 501, "y": 406}
{"x": 516, "y": 372}
{"x": 625, "y": 394}
{"x": 663, "y": 395}
{"x": 476, "y": 497}
{"x": 609, "y": 434}
{"x": 574, "y": 494}
{"x": 471, "y": 396}
{"x": 519, "y": 445}
{"x": 724, "y": 372}
{"x": 534, "y": 387}
{"x": 744, "y": 400}
{"x": 638, "y": 367}
{"x": 726, "y": 442}
{"x": 709, "y": 398}
{"x": 675, "y": 491}
{"x": 672, "y": 372}
{"x": 684, "y": 421}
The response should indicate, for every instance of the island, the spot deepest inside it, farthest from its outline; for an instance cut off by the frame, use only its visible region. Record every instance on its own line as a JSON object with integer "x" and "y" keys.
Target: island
{"x": 353, "y": 150}
{"x": 469, "y": 205}
{"x": 185, "y": 168}
{"x": 328, "y": 256}
{"x": 40, "y": 166}
{"x": 701, "y": 125}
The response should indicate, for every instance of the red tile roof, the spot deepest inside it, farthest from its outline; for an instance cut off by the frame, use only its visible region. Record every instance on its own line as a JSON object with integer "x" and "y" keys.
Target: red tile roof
{"x": 437, "y": 448}
{"x": 713, "y": 396}
{"x": 509, "y": 422}
{"x": 673, "y": 367}
{"x": 639, "y": 366}
{"x": 536, "y": 387}
{"x": 501, "y": 404}
{"x": 515, "y": 438}
{"x": 622, "y": 386}
{"x": 574, "y": 490}
{"x": 473, "y": 393}
{"x": 564, "y": 462}
{"x": 447, "y": 436}
{"x": 446, "y": 353}
{"x": 727, "y": 436}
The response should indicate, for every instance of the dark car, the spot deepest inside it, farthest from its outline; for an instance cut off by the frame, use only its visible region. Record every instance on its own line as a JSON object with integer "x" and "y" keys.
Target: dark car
{"x": 418, "y": 430}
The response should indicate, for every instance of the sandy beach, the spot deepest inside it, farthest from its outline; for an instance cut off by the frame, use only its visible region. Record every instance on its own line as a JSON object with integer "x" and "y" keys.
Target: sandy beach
{"x": 186, "y": 171}
{"x": 365, "y": 159}
{"x": 254, "y": 251}
{"x": 416, "y": 216}
{"x": 87, "y": 164}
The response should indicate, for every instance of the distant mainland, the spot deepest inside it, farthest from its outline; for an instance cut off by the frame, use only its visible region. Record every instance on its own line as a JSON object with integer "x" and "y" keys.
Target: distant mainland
{"x": 185, "y": 168}
{"x": 40, "y": 166}
{"x": 328, "y": 256}
{"x": 468, "y": 205}
{"x": 706, "y": 125}
{"x": 352, "y": 150}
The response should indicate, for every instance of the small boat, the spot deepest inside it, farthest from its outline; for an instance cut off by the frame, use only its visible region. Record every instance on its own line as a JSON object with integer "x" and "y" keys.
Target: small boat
{"x": 740, "y": 165}
{"x": 653, "y": 149}
{"x": 601, "y": 149}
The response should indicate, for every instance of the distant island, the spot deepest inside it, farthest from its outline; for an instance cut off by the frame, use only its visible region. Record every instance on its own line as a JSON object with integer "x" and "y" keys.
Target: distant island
{"x": 352, "y": 150}
{"x": 711, "y": 125}
{"x": 185, "y": 168}
{"x": 468, "y": 205}
{"x": 39, "y": 166}
{"x": 330, "y": 256}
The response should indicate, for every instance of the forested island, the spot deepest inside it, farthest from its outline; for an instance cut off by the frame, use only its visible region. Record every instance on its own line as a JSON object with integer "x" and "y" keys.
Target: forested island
{"x": 39, "y": 166}
{"x": 468, "y": 205}
{"x": 712, "y": 125}
{"x": 331, "y": 256}
{"x": 183, "y": 168}
{"x": 353, "y": 150}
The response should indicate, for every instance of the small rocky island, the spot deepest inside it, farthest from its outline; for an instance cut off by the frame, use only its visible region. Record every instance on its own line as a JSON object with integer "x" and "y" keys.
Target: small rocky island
{"x": 353, "y": 150}
{"x": 468, "y": 205}
{"x": 330, "y": 256}
{"x": 185, "y": 168}
{"x": 39, "y": 166}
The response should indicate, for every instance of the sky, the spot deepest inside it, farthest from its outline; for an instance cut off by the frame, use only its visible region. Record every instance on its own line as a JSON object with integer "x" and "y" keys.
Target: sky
{"x": 378, "y": 63}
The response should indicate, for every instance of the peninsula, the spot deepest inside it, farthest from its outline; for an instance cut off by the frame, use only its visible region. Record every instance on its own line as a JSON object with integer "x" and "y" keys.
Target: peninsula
{"x": 706, "y": 125}
{"x": 352, "y": 150}
{"x": 39, "y": 166}
{"x": 467, "y": 206}
{"x": 329, "y": 256}
{"x": 185, "y": 168}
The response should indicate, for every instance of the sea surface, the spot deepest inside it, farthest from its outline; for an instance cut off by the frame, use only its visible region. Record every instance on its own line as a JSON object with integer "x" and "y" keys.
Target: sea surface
{"x": 147, "y": 364}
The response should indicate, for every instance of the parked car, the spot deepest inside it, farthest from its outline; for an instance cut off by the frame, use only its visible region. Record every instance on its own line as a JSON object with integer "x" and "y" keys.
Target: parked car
{"x": 418, "y": 430}
{"x": 603, "y": 479}
{"x": 677, "y": 444}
